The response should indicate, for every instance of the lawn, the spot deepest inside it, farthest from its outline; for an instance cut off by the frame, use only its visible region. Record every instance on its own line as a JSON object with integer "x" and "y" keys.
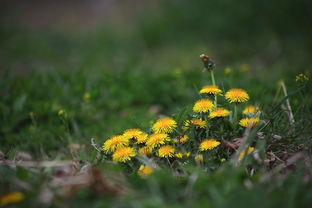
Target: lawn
{"x": 69, "y": 96}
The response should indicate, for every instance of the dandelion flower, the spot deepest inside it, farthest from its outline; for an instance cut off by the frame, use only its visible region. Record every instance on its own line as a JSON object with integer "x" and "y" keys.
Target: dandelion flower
{"x": 179, "y": 155}
{"x": 145, "y": 150}
{"x": 145, "y": 170}
{"x": 199, "y": 159}
{"x": 86, "y": 96}
{"x": 132, "y": 133}
{"x": 203, "y": 106}
{"x": 166, "y": 151}
{"x": 142, "y": 138}
{"x": 115, "y": 142}
{"x": 208, "y": 144}
{"x": 301, "y": 77}
{"x": 211, "y": 89}
{"x": 183, "y": 138}
{"x": 157, "y": 139}
{"x": 243, "y": 153}
{"x": 249, "y": 122}
{"x": 123, "y": 154}
{"x": 228, "y": 70}
{"x": 219, "y": 112}
{"x": 10, "y": 198}
{"x": 164, "y": 125}
{"x": 250, "y": 110}
{"x": 236, "y": 96}
{"x": 198, "y": 123}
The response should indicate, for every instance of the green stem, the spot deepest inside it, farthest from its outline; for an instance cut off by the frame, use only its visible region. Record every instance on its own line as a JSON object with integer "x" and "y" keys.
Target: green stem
{"x": 235, "y": 115}
{"x": 213, "y": 83}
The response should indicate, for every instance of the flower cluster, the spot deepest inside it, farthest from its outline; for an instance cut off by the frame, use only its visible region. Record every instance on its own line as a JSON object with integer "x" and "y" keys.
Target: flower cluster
{"x": 198, "y": 137}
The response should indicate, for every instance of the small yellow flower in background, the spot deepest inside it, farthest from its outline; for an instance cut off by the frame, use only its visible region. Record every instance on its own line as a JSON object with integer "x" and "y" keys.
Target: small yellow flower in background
{"x": 164, "y": 125}
{"x": 145, "y": 150}
{"x": 61, "y": 112}
{"x": 132, "y": 133}
{"x": 223, "y": 160}
{"x": 157, "y": 139}
{"x": 198, "y": 123}
{"x": 243, "y": 153}
{"x": 211, "y": 89}
{"x": 208, "y": 144}
{"x": 123, "y": 154}
{"x": 219, "y": 112}
{"x": 199, "y": 159}
{"x": 179, "y": 155}
{"x": 228, "y": 70}
{"x": 183, "y": 138}
{"x": 145, "y": 170}
{"x": 236, "y": 96}
{"x": 166, "y": 151}
{"x": 177, "y": 71}
{"x": 251, "y": 110}
{"x": 86, "y": 96}
{"x": 249, "y": 122}
{"x": 302, "y": 77}
{"x": 115, "y": 142}
{"x": 11, "y": 198}
{"x": 203, "y": 106}
{"x": 244, "y": 68}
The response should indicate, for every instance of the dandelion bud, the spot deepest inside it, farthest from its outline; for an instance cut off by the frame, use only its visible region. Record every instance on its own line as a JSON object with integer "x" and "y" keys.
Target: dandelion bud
{"x": 208, "y": 64}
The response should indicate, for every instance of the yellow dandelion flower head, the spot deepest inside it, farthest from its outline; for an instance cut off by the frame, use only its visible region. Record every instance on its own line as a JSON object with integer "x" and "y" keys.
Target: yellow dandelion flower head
{"x": 219, "y": 112}
{"x": 86, "y": 96}
{"x": 142, "y": 138}
{"x": 179, "y": 155}
{"x": 222, "y": 159}
{"x": 145, "y": 150}
{"x": 199, "y": 159}
{"x": 132, "y": 133}
{"x": 208, "y": 144}
{"x": 166, "y": 151}
{"x": 123, "y": 154}
{"x": 211, "y": 89}
{"x": 157, "y": 139}
{"x": 203, "y": 106}
{"x": 10, "y": 198}
{"x": 249, "y": 122}
{"x": 198, "y": 123}
{"x": 301, "y": 77}
{"x": 183, "y": 138}
{"x": 237, "y": 96}
{"x": 164, "y": 125}
{"x": 244, "y": 153}
{"x": 249, "y": 110}
{"x": 115, "y": 142}
{"x": 228, "y": 70}
{"x": 145, "y": 170}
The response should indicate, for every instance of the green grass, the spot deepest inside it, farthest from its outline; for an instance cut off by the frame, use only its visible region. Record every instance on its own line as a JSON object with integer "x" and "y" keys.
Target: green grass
{"x": 60, "y": 89}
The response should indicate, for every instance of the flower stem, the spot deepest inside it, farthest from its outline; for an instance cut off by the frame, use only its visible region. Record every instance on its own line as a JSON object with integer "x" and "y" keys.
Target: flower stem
{"x": 213, "y": 83}
{"x": 235, "y": 115}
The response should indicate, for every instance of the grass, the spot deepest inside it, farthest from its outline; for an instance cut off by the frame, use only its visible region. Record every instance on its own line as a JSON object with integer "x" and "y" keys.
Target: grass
{"x": 59, "y": 90}
{"x": 32, "y": 123}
